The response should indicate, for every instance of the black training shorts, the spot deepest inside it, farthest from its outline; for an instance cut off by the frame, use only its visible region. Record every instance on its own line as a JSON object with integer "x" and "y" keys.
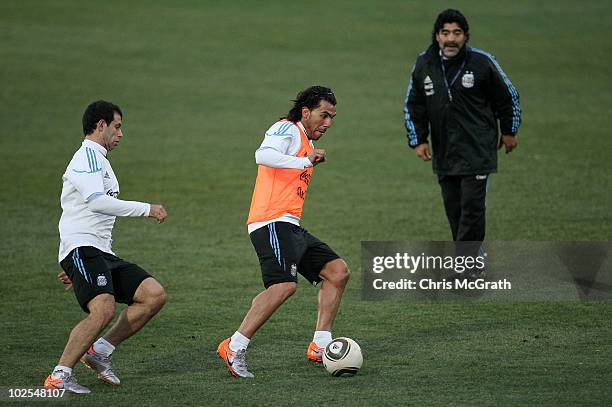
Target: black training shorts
{"x": 285, "y": 249}
{"x": 94, "y": 272}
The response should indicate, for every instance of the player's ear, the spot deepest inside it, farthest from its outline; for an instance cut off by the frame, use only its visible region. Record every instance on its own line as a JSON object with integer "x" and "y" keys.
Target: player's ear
{"x": 305, "y": 112}
{"x": 100, "y": 125}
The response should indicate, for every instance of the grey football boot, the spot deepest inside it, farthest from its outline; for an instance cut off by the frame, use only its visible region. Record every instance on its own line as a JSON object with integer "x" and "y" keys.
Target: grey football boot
{"x": 67, "y": 382}
{"x": 102, "y": 365}
{"x": 235, "y": 361}
{"x": 240, "y": 364}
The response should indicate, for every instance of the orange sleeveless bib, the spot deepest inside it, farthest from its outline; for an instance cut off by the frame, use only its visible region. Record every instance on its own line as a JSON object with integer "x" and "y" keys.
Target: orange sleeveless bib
{"x": 281, "y": 190}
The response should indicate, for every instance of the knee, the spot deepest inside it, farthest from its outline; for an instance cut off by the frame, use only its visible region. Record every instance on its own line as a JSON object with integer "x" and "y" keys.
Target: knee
{"x": 102, "y": 309}
{"x": 283, "y": 290}
{"x": 150, "y": 294}
{"x": 290, "y": 289}
{"x": 161, "y": 298}
{"x": 339, "y": 273}
{"x": 156, "y": 298}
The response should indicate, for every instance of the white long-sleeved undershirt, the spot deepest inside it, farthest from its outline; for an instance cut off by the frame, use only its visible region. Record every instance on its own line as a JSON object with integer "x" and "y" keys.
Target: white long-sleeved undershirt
{"x": 271, "y": 157}
{"x": 107, "y": 205}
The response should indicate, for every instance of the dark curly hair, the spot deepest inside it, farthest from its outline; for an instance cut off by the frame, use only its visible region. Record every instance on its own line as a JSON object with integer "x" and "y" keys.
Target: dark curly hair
{"x": 96, "y": 111}
{"x": 450, "y": 16}
{"x": 310, "y": 98}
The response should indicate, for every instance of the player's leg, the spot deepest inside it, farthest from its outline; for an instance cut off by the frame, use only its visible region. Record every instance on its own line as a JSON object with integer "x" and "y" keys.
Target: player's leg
{"x": 473, "y": 208}
{"x": 278, "y": 250}
{"x": 335, "y": 276}
{"x": 145, "y": 298}
{"x": 149, "y": 299}
{"x": 101, "y": 313}
{"x": 89, "y": 275}
{"x": 264, "y": 305}
{"x": 471, "y": 232}
{"x": 451, "y": 196}
{"x": 321, "y": 264}
{"x": 233, "y": 349}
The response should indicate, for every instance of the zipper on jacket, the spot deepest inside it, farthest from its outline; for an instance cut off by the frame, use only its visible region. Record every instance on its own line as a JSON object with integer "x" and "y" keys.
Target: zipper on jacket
{"x": 448, "y": 86}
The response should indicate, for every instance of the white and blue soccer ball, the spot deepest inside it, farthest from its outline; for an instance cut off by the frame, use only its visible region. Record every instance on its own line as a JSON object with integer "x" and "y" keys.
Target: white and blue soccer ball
{"x": 342, "y": 357}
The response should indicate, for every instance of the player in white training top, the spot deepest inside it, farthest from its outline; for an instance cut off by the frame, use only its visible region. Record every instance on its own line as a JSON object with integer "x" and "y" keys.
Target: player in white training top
{"x": 99, "y": 278}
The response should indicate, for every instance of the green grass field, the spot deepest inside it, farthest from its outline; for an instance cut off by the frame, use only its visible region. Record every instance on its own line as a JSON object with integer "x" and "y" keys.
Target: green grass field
{"x": 199, "y": 83}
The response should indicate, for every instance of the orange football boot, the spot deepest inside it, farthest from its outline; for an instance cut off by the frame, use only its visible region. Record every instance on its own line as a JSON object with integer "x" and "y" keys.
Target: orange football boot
{"x": 315, "y": 353}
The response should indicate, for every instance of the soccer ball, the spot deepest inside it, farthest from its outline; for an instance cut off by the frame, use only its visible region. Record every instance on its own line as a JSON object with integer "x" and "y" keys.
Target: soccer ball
{"x": 342, "y": 357}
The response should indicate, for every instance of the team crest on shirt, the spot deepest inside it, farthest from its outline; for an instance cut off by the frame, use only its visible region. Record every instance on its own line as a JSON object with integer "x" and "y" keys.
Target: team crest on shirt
{"x": 101, "y": 281}
{"x": 294, "y": 270}
{"x": 428, "y": 86}
{"x": 467, "y": 80}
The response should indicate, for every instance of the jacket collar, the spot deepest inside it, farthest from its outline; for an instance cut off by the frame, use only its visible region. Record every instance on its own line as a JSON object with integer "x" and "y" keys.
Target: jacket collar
{"x": 95, "y": 146}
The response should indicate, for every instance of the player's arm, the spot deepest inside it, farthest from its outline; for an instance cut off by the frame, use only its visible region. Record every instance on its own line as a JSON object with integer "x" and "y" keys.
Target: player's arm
{"x": 276, "y": 150}
{"x": 505, "y": 103}
{"x": 86, "y": 176}
{"x": 273, "y": 158}
{"x": 416, "y": 119}
{"x": 107, "y": 205}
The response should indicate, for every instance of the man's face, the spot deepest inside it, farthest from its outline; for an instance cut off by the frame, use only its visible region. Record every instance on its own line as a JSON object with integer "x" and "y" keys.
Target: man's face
{"x": 451, "y": 39}
{"x": 318, "y": 120}
{"x": 111, "y": 134}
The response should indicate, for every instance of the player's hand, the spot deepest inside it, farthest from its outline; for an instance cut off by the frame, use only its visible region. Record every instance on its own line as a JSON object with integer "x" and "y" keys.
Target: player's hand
{"x": 422, "y": 150}
{"x": 317, "y": 156}
{"x": 63, "y": 277}
{"x": 158, "y": 212}
{"x": 509, "y": 141}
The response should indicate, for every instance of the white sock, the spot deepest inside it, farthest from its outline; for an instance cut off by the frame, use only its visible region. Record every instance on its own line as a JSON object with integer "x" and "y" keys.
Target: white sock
{"x": 103, "y": 347}
{"x": 238, "y": 341}
{"x": 59, "y": 371}
{"x": 322, "y": 338}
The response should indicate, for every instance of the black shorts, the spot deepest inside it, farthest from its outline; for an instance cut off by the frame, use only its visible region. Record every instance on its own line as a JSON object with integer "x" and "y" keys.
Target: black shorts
{"x": 94, "y": 272}
{"x": 284, "y": 250}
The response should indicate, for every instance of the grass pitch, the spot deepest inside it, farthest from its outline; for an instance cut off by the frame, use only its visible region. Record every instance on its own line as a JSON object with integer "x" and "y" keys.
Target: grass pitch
{"x": 199, "y": 83}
